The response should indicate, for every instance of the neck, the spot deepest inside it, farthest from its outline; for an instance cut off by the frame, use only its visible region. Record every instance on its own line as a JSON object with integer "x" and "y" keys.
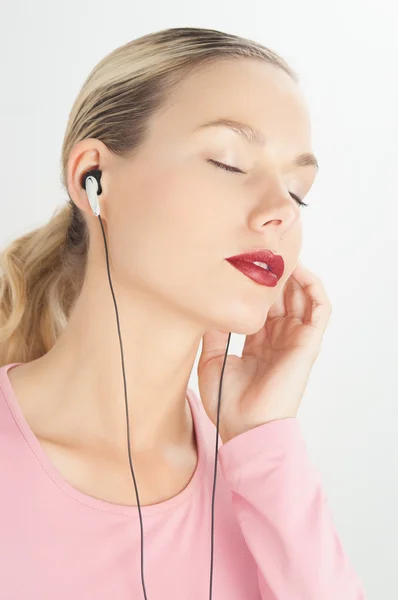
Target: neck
{"x": 79, "y": 382}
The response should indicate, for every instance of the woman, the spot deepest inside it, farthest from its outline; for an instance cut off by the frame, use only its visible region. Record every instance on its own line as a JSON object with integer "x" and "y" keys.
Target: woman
{"x": 184, "y": 188}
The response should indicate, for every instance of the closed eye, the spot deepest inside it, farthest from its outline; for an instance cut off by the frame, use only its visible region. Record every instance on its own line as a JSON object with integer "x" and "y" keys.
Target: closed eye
{"x": 226, "y": 167}
{"x": 236, "y": 170}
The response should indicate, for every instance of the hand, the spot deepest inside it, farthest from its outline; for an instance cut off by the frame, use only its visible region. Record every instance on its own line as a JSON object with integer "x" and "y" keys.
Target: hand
{"x": 269, "y": 380}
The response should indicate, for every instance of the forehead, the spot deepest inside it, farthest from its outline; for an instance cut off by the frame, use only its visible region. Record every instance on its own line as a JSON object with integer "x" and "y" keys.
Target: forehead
{"x": 246, "y": 90}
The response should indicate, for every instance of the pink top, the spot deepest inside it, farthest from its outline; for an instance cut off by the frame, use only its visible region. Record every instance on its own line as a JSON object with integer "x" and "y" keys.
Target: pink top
{"x": 274, "y": 535}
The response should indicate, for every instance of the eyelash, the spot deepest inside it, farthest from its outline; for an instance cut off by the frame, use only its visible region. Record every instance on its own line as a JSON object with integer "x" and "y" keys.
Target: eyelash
{"x": 235, "y": 170}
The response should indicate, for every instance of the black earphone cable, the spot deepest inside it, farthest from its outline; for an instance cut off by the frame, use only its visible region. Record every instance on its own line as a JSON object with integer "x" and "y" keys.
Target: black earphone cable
{"x": 128, "y": 425}
{"x": 127, "y": 412}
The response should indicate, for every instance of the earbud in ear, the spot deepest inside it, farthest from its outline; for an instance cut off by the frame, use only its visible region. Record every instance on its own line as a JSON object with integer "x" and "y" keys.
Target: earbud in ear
{"x": 91, "y": 182}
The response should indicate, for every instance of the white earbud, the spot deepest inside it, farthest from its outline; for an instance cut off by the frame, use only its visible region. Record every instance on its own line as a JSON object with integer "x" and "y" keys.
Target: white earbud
{"x": 92, "y": 194}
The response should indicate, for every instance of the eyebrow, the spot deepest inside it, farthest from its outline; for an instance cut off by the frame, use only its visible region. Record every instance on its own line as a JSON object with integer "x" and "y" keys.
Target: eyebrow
{"x": 254, "y": 136}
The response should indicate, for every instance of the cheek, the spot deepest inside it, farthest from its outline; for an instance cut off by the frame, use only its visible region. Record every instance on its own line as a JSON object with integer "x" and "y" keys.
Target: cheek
{"x": 166, "y": 234}
{"x": 296, "y": 241}
{"x": 291, "y": 250}
{"x": 183, "y": 207}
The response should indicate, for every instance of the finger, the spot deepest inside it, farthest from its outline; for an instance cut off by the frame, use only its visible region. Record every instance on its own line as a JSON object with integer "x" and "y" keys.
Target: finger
{"x": 296, "y": 300}
{"x": 254, "y": 343}
{"x": 278, "y": 308}
{"x": 318, "y": 304}
{"x": 214, "y": 344}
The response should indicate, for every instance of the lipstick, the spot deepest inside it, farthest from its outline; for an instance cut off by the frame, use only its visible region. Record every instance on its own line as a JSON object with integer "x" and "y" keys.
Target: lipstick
{"x": 268, "y": 274}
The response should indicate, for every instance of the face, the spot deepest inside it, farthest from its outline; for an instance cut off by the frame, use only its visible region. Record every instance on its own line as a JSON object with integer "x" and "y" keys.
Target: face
{"x": 173, "y": 216}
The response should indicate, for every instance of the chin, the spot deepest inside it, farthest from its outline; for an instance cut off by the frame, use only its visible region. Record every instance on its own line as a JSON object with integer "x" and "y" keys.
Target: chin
{"x": 247, "y": 322}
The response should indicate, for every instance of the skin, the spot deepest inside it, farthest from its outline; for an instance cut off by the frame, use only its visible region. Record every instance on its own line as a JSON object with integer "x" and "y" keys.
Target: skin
{"x": 171, "y": 219}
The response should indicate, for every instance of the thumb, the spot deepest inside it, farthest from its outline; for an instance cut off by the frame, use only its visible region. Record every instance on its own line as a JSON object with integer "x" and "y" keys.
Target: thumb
{"x": 214, "y": 343}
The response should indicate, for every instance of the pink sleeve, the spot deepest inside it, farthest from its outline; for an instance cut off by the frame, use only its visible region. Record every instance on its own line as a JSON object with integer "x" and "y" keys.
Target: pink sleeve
{"x": 284, "y": 516}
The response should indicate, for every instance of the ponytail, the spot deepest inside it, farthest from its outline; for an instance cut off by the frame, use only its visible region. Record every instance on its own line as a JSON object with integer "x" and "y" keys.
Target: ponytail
{"x": 41, "y": 274}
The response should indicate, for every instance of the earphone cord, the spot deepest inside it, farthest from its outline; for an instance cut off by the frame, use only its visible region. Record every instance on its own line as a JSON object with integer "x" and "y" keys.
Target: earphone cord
{"x": 128, "y": 434}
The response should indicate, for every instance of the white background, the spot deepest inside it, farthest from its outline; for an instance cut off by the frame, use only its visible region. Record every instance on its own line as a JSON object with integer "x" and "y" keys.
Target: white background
{"x": 346, "y": 54}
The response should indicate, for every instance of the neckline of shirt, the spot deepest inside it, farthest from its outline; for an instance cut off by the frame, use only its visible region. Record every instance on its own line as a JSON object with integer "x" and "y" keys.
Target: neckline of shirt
{"x": 91, "y": 501}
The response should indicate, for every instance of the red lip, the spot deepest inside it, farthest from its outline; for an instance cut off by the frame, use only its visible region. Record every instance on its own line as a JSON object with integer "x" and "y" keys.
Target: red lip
{"x": 244, "y": 262}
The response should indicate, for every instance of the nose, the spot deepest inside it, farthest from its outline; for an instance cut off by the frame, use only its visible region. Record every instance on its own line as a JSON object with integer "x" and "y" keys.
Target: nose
{"x": 275, "y": 207}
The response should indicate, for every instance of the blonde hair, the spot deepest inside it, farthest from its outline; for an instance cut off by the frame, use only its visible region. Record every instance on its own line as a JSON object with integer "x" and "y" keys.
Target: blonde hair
{"x": 42, "y": 272}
